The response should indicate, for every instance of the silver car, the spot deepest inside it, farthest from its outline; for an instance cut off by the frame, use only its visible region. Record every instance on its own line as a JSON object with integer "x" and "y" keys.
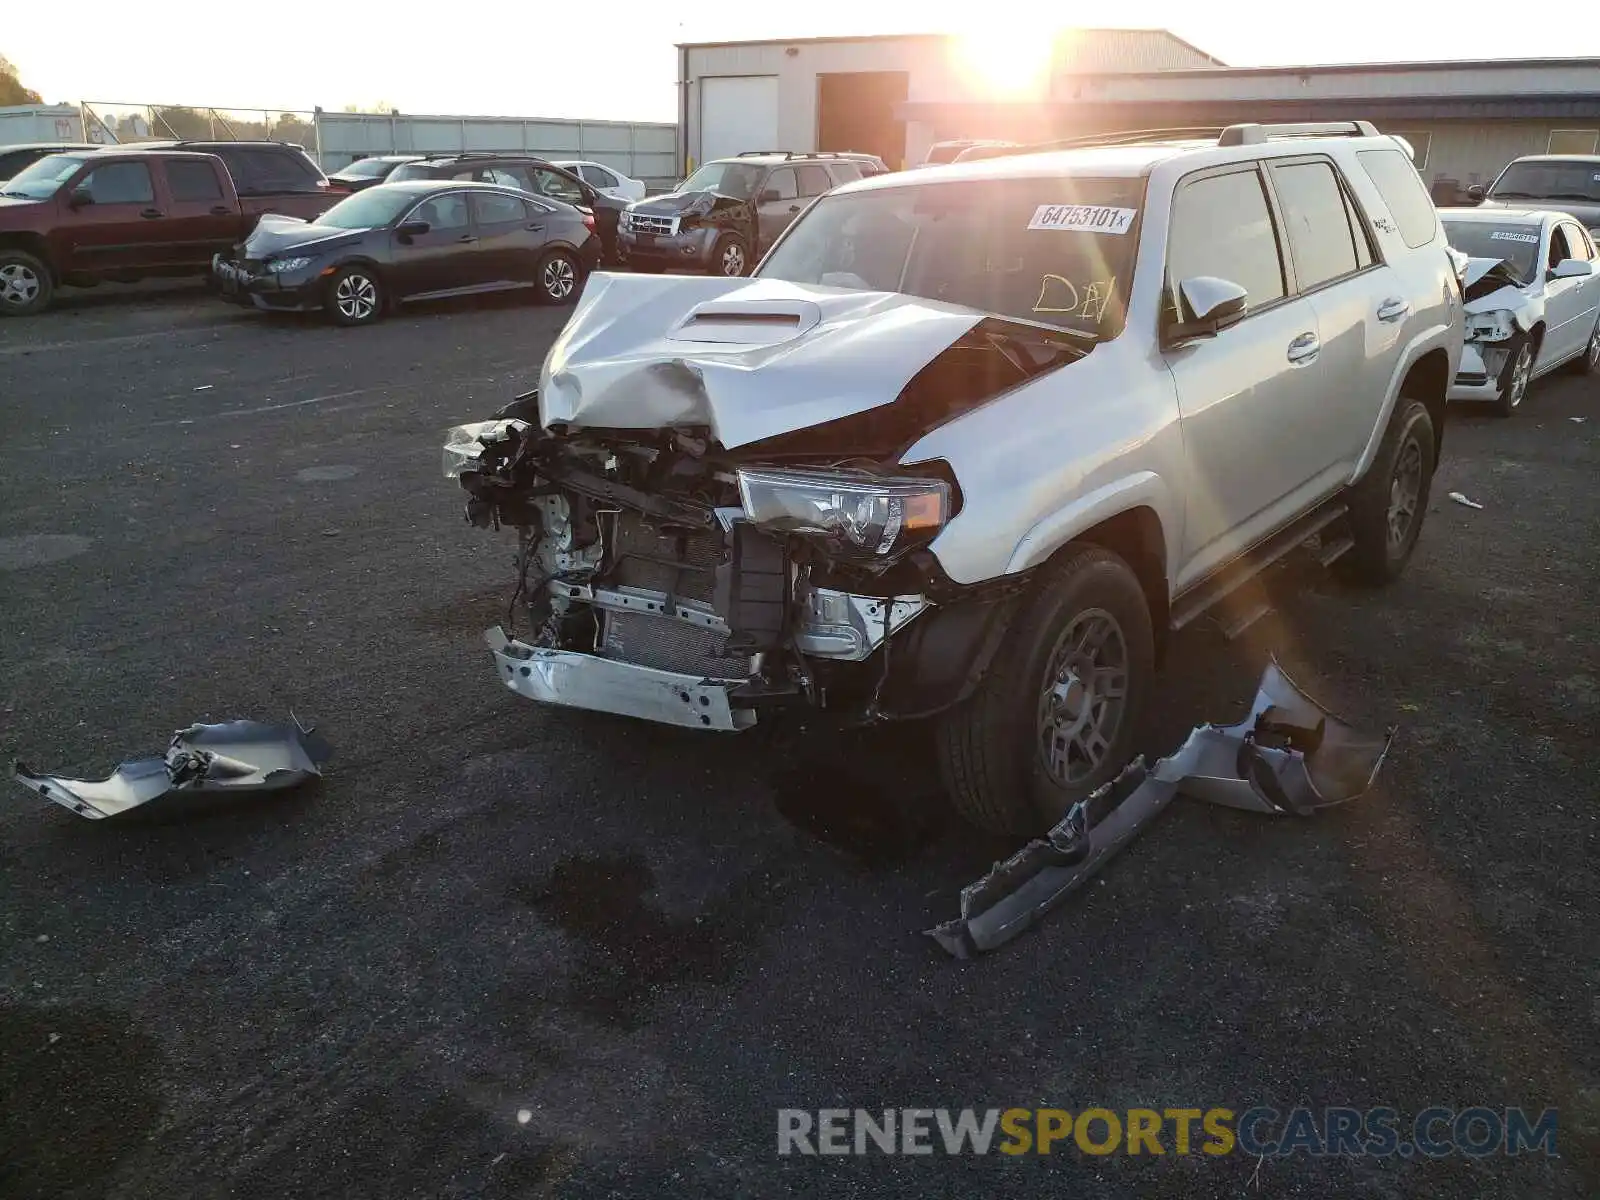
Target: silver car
{"x": 1532, "y": 300}
{"x": 973, "y": 440}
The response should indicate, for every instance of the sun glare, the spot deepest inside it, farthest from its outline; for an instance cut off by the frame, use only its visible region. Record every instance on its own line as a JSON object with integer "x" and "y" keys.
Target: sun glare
{"x": 1004, "y": 62}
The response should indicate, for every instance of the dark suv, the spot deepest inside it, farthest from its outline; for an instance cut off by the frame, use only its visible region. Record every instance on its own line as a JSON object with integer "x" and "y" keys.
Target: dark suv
{"x": 724, "y": 216}
{"x": 270, "y": 177}
{"x": 529, "y": 173}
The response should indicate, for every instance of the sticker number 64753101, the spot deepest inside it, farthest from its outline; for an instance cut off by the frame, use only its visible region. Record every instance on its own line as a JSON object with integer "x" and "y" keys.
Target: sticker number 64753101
{"x": 1086, "y": 218}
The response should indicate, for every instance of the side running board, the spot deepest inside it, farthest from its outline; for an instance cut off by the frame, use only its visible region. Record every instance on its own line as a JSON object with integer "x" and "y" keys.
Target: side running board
{"x": 1205, "y": 594}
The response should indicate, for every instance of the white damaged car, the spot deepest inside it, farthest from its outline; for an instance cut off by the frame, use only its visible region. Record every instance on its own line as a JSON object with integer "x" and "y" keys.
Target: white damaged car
{"x": 972, "y": 441}
{"x": 1532, "y": 298}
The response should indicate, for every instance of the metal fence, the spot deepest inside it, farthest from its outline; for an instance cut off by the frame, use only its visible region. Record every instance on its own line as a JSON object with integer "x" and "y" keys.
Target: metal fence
{"x": 644, "y": 150}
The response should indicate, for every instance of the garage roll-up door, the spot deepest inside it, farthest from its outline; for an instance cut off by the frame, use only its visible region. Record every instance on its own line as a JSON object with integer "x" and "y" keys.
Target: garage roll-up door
{"x": 738, "y": 113}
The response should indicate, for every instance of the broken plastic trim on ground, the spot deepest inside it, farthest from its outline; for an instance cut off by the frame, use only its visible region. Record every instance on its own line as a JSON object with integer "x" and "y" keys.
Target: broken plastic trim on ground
{"x": 1289, "y": 757}
{"x": 236, "y": 756}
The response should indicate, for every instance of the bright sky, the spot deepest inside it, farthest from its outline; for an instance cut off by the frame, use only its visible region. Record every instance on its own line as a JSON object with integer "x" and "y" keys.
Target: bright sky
{"x": 613, "y": 59}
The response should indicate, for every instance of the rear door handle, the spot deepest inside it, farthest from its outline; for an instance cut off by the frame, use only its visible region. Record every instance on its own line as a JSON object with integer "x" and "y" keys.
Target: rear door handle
{"x": 150, "y": 214}
{"x": 1393, "y": 309}
{"x": 222, "y": 210}
{"x": 1304, "y": 348}
{"x": 536, "y": 226}
{"x": 466, "y": 237}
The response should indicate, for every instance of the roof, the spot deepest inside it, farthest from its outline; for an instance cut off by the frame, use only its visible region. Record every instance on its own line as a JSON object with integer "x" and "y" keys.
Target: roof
{"x": 1572, "y": 158}
{"x": 1100, "y": 162}
{"x": 1087, "y": 39}
{"x": 9, "y": 146}
{"x": 445, "y": 185}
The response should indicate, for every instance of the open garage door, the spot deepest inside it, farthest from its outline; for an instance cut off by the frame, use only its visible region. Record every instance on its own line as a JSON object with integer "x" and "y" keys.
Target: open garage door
{"x": 737, "y": 113}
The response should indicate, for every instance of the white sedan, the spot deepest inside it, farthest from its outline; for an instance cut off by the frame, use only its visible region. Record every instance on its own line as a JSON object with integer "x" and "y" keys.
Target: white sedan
{"x": 605, "y": 179}
{"x": 1532, "y": 296}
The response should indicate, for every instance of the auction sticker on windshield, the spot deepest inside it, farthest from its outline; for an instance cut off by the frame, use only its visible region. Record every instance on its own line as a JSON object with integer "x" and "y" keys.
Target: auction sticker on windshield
{"x": 1085, "y": 218}
{"x": 1506, "y": 235}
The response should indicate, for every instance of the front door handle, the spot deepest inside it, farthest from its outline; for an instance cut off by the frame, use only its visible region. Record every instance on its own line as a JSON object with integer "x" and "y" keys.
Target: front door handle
{"x": 1393, "y": 309}
{"x": 1304, "y": 348}
{"x": 536, "y": 226}
{"x": 466, "y": 237}
{"x": 150, "y": 214}
{"x": 221, "y": 210}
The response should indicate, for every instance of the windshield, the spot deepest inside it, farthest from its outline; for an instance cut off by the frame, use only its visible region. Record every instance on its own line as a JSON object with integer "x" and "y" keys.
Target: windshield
{"x": 735, "y": 179}
{"x": 1057, "y": 251}
{"x": 1550, "y": 180}
{"x": 369, "y": 209}
{"x": 368, "y": 168}
{"x": 409, "y": 170}
{"x": 45, "y": 177}
{"x": 1515, "y": 241}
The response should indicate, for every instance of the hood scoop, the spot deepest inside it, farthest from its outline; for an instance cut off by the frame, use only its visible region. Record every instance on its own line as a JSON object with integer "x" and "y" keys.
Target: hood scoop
{"x": 747, "y": 322}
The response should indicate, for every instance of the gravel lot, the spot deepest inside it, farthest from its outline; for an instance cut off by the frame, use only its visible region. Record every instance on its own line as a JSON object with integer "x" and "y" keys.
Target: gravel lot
{"x": 645, "y": 942}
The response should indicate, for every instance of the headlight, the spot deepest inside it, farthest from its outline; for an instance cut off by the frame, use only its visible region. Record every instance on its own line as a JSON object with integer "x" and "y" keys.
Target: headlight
{"x": 1489, "y": 327}
{"x": 278, "y": 266}
{"x": 464, "y": 444}
{"x": 867, "y": 515}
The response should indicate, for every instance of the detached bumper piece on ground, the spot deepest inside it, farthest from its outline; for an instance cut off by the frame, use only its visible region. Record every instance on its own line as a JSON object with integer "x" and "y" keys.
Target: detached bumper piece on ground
{"x": 237, "y": 756}
{"x": 1289, "y": 757}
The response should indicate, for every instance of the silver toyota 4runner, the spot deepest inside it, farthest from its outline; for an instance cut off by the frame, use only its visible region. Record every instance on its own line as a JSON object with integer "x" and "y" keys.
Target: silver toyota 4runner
{"x": 972, "y": 440}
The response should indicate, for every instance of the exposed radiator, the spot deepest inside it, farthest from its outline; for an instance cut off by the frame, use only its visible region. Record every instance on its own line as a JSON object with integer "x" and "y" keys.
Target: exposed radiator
{"x": 669, "y": 645}
{"x": 682, "y": 565}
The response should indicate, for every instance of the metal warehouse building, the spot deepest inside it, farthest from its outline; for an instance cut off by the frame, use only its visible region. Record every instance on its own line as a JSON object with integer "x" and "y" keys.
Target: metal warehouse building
{"x": 895, "y": 96}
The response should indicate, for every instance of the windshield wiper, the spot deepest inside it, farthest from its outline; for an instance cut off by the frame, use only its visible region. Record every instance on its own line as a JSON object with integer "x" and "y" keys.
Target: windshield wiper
{"x": 1512, "y": 196}
{"x": 1584, "y": 196}
{"x": 18, "y": 195}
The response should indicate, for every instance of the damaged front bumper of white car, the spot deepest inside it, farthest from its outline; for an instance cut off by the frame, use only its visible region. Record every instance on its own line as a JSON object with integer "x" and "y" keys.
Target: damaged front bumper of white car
{"x": 700, "y": 541}
{"x": 1500, "y": 313}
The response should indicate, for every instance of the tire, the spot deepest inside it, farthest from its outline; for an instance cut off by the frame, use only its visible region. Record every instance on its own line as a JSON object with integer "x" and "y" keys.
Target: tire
{"x": 729, "y": 257}
{"x": 1516, "y": 375}
{"x": 1395, "y": 487}
{"x": 1588, "y": 362}
{"x": 355, "y": 296}
{"x": 557, "y": 278}
{"x": 26, "y": 287}
{"x": 1009, "y": 759}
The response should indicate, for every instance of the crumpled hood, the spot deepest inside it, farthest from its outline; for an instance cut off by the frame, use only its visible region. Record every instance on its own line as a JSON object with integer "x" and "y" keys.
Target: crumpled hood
{"x": 749, "y": 359}
{"x": 1490, "y": 285}
{"x": 275, "y": 233}
{"x": 677, "y": 202}
{"x": 1477, "y": 268}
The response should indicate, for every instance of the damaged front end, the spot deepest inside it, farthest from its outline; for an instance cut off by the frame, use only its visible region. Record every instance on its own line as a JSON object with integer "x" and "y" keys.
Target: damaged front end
{"x": 1499, "y": 315}
{"x": 699, "y": 540}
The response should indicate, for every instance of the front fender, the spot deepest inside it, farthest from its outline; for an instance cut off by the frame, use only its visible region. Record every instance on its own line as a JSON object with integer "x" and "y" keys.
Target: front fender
{"x": 1143, "y": 489}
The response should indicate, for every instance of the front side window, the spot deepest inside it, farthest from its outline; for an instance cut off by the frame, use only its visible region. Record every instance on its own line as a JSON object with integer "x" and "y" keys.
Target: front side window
{"x": 780, "y": 185}
{"x": 1401, "y": 187}
{"x": 1517, "y": 242}
{"x": 557, "y": 186}
{"x": 1559, "y": 250}
{"x": 1221, "y": 227}
{"x": 1057, "y": 251}
{"x": 814, "y": 181}
{"x": 1577, "y": 243}
{"x": 599, "y": 177}
{"x": 120, "y": 183}
{"x": 446, "y": 213}
{"x": 1320, "y": 237}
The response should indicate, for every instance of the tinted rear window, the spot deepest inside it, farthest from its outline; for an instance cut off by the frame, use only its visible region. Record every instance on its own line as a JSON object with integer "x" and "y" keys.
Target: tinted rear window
{"x": 1401, "y": 187}
{"x": 258, "y": 171}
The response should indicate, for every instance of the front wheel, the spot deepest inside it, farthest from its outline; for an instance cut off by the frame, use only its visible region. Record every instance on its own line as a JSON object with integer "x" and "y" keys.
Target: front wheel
{"x": 1515, "y": 376}
{"x": 355, "y": 296}
{"x": 25, "y": 284}
{"x": 1056, "y": 715}
{"x": 556, "y": 280}
{"x": 729, "y": 257}
{"x": 1387, "y": 505}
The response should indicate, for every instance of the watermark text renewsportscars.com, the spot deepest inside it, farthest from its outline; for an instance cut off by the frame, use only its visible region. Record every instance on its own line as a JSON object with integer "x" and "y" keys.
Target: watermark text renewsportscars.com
{"x": 1259, "y": 1131}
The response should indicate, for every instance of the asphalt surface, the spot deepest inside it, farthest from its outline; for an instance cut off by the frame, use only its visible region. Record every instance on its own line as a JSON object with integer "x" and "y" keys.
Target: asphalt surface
{"x": 507, "y": 952}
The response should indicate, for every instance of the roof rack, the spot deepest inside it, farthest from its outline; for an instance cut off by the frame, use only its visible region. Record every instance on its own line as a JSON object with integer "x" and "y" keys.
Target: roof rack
{"x": 793, "y": 153}
{"x": 434, "y": 154}
{"x": 1254, "y": 135}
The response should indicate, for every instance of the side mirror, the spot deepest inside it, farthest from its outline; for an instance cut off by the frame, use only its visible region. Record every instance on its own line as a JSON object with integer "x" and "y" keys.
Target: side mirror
{"x": 1477, "y": 191}
{"x": 81, "y": 197}
{"x": 1572, "y": 268}
{"x": 412, "y": 228}
{"x": 1208, "y": 306}
{"x": 770, "y": 196}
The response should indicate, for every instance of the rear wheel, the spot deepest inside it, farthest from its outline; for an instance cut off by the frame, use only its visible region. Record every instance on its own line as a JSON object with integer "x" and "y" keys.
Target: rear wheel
{"x": 556, "y": 280}
{"x": 1387, "y": 506}
{"x": 1058, "y": 711}
{"x": 25, "y": 284}
{"x": 1515, "y": 376}
{"x": 355, "y": 296}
